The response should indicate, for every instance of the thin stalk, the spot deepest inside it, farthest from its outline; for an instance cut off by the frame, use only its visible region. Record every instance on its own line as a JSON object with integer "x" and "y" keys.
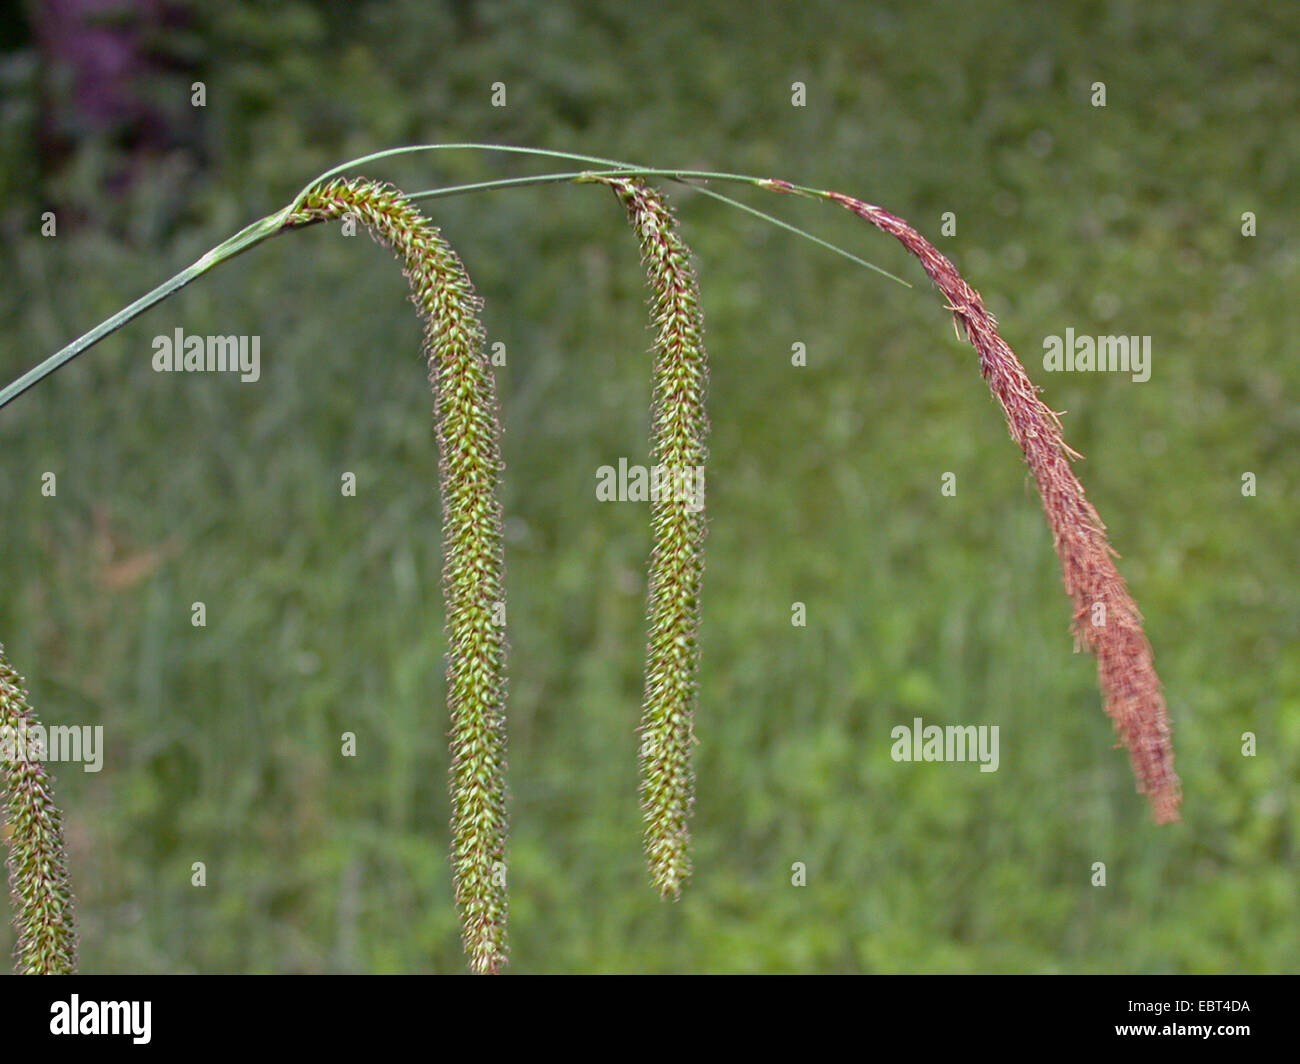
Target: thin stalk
{"x": 685, "y": 177}
{"x": 246, "y": 238}
{"x": 620, "y": 168}
{"x": 273, "y": 224}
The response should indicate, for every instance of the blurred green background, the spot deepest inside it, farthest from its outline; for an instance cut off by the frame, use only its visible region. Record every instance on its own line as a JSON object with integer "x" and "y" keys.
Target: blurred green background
{"x": 324, "y": 612}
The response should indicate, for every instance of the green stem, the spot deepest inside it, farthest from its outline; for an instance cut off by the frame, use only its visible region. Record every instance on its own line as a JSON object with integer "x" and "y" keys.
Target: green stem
{"x": 620, "y": 169}
{"x": 686, "y": 177}
{"x": 272, "y": 224}
{"x": 228, "y": 249}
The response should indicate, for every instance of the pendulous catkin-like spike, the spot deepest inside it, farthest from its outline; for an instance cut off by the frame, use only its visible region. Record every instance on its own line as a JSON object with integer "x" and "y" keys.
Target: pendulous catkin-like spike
{"x": 470, "y": 470}
{"x": 38, "y": 872}
{"x": 679, "y": 428}
{"x": 1106, "y": 619}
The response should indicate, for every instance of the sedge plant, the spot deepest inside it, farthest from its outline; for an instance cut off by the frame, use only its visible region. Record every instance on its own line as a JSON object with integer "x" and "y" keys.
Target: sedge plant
{"x": 468, "y": 429}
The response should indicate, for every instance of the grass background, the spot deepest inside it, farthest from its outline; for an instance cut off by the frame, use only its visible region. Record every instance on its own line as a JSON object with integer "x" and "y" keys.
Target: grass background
{"x": 324, "y": 612}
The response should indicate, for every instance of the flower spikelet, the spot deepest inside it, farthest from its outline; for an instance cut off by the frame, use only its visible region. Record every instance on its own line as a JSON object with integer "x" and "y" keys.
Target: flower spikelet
{"x": 38, "y": 873}
{"x": 468, "y": 430}
{"x": 1106, "y": 619}
{"x": 679, "y": 429}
